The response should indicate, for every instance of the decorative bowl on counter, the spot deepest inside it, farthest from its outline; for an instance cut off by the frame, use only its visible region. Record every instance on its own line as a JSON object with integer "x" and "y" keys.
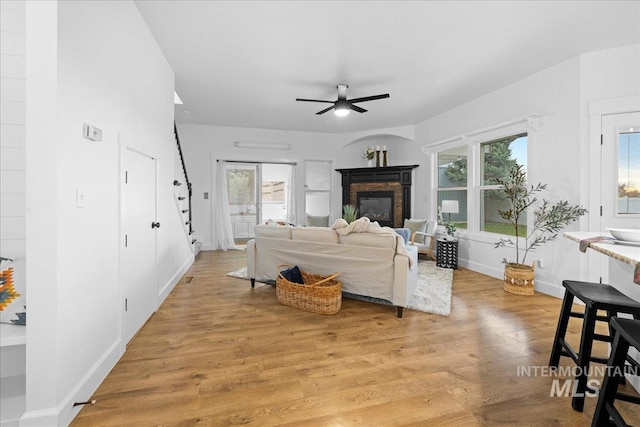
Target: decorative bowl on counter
{"x": 625, "y": 234}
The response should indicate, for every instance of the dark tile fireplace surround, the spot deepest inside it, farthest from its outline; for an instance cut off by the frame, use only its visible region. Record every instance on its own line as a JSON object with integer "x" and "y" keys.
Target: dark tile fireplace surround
{"x": 383, "y": 194}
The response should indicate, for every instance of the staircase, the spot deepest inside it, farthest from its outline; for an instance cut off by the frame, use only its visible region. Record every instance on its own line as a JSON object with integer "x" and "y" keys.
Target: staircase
{"x": 182, "y": 195}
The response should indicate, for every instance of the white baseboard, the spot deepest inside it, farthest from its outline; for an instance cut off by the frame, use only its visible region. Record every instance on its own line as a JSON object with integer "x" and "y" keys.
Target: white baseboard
{"x": 207, "y": 247}
{"x": 89, "y": 383}
{"x": 65, "y": 413}
{"x": 481, "y": 268}
{"x": 550, "y": 289}
{"x": 168, "y": 287}
{"x": 42, "y": 417}
{"x": 540, "y": 286}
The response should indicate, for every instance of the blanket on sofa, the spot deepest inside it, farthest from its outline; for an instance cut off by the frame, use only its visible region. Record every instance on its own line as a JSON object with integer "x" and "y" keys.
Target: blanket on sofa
{"x": 364, "y": 225}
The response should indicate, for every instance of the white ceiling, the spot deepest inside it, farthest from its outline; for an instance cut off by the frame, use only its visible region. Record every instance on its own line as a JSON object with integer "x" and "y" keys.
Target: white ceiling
{"x": 243, "y": 63}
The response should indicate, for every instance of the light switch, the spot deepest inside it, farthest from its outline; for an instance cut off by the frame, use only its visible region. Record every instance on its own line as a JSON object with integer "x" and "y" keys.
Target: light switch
{"x": 81, "y": 196}
{"x": 91, "y": 132}
{"x": 206, "y": 195}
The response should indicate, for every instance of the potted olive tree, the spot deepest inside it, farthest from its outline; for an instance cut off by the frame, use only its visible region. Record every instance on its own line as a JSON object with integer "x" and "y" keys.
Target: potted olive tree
{"x": 548, "y": 220}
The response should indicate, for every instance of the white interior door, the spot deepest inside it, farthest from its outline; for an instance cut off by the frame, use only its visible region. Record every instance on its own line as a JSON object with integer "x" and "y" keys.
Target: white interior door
{"x": 619, "y": 176}
{"x": 138, "y": 262}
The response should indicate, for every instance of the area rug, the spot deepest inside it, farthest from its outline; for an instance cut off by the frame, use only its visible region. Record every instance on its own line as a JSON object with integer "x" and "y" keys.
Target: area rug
{"x": 240, "y": 274}
{"x": 432, "y": 295}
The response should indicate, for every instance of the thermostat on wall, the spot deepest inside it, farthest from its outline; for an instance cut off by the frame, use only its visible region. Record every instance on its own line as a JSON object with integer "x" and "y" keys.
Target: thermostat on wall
{"x": 91, "y": 132}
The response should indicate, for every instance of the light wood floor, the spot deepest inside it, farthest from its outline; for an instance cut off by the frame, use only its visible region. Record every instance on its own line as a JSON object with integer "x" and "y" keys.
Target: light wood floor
{"x": 218, "y": 353}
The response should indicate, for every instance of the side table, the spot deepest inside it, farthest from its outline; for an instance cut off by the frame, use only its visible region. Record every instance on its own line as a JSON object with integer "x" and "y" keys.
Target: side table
{"x": 447, "y": 253}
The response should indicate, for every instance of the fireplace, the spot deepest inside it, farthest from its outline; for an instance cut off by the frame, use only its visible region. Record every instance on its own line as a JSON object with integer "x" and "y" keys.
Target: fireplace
{"x": 377, "y": 206}
{"x": 386, "y": 192}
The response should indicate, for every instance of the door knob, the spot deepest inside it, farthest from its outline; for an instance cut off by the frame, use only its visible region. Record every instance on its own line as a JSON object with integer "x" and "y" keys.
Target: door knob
{"x": 155, "y": 225}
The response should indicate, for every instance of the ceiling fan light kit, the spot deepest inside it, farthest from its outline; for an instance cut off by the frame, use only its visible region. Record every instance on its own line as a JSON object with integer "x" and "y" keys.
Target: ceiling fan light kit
{"x": 343, "y": 106}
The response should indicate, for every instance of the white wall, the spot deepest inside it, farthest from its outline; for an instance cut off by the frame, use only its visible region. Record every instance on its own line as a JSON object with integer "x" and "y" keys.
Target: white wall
{"x": 203, "y": 145}
{"x": 610, "y": 73}
{"x": 605, "y": 74}
{"x": 107, "y": 71}
{"x": 13, "y": 206}
{"x": 400, "y": 150}
{"x": 12, "y": 130}
{"x": 556, "y": 152}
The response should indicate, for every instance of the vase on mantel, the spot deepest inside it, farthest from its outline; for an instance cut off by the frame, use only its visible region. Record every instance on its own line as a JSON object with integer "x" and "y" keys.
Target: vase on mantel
{"x": 370, "y": 163}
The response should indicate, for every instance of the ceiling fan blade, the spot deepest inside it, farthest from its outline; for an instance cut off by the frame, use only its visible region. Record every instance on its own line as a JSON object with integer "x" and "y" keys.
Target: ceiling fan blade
{"x": 325, "y": 110}
{"x": 314, "y": 100}
{"x": 358, "y": 109}
{"x": 369, "y": 98}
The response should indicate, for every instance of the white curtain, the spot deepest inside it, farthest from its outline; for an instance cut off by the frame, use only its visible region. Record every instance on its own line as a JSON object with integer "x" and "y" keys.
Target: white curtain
{"x": 222, "y": 227}
{"x": 291, "y": 196}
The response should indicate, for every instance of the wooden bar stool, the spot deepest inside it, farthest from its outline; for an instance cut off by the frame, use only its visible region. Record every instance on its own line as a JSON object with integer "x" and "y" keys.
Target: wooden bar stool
{"x": 627, "y": 333}
{"x": 596, "y": 296}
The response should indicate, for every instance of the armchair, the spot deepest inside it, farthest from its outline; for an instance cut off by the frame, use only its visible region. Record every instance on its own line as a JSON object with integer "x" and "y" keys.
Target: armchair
{"x": 429, "y": 239}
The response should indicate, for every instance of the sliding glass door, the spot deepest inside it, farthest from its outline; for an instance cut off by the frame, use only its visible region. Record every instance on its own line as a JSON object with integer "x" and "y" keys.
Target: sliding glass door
{"x": 274, "y": 192}
{"x": 244, "y": 199}
{"x": 258, "y": 192}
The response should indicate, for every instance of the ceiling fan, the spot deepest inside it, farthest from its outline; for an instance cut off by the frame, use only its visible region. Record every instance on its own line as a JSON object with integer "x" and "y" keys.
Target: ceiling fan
{"x": 342, "y": 105}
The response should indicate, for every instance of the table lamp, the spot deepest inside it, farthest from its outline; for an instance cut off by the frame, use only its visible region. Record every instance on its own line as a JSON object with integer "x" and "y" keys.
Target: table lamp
{"x": 449, "y": 206}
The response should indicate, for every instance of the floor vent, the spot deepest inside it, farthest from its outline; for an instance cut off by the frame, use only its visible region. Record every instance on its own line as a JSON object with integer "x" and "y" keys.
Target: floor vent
{"x": 188, "y": 279}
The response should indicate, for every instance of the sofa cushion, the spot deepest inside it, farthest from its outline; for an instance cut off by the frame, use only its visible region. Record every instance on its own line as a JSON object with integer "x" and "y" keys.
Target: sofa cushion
{"x": 416, "y": 225}
{"x": 279, "y": 232}
{"x": 317, "y": 221}
{"x": 369, "y": 239}
{"x": 314, "y": 234}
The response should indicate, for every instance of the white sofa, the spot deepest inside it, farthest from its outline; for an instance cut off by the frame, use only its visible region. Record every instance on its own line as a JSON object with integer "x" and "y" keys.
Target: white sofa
{"x": 368, "y": 262}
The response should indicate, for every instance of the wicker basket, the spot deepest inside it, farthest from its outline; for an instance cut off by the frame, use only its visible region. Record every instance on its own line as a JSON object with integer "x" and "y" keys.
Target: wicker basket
{"x": 319, "y": 294}
{"x": 519, "y": 279}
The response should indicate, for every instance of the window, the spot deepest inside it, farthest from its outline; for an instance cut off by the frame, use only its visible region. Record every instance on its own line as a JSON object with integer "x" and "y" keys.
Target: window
{"x": 467, "y": 174}
{"x": 497, "y": 157}
{"x": 241, "y": 185}
{"x": 628, "y": 173}
{"x": 317, "y": 187}
{"x": 452, "y": 183}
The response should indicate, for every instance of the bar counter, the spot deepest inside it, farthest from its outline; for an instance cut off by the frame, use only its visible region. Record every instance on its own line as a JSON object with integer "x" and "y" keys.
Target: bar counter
{"x": 604, "y": 243}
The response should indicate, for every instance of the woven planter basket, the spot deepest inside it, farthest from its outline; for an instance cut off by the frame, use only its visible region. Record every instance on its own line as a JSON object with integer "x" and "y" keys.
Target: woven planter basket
{"x": 519, "y": 278}
{"x": 319, "y": 294}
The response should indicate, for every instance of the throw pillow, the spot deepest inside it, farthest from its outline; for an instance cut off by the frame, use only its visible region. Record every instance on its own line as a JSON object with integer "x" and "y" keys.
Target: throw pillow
{"x": 405, "y": 233}
{"x": 12, "y": 291}
{"x": 416, "y": 225}
{"x": 293, "y": 274}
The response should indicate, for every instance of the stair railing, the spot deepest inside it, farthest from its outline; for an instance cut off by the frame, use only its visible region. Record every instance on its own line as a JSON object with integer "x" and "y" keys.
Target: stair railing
{"x": 186, "y": 176}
